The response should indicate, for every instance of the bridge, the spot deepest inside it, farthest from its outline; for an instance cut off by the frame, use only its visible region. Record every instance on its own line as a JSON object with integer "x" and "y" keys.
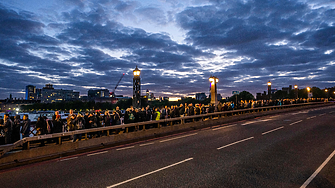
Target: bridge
{"x": 263, "y": 147}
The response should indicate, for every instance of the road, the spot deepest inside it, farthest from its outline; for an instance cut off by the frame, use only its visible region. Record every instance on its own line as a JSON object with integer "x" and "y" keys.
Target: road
{"x": 288, "y": 150}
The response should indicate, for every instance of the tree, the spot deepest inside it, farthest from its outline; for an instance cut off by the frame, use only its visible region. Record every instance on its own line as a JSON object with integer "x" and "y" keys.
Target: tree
{"x": 318, "y": 93}
{"x": 245, "y": 95}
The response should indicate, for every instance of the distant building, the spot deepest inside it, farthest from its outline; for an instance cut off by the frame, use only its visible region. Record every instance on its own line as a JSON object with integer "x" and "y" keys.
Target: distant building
{"x": 219, "y": 97}
{"x": 31, "y": 92}
{"x": 96, "y": 93}
{"x": 49, "y": 94}
{"x": 152, "y": 97}
{"x": 11, "y": 104}
{"x": 262, "y": 96}
{"x": 287, "y": 89}
{"x": 200, "y": 96}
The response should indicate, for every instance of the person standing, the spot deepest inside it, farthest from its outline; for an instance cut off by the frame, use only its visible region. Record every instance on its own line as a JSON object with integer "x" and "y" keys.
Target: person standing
{"x": 16, "y": 128}
{"x": 7, "y": 127}
{"x": 57, "y": 124}
{"x": 79, "y": 123}
{"x": 25, "y": 131}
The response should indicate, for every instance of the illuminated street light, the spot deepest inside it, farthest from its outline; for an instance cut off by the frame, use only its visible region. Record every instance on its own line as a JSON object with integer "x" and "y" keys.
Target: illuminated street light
{"x": 213, "y": 82}
{"x": 308, "y": 89}
{"x": 136, "y": 72}
{"x": 211, "y": 79}
{"x": 137, "y": 88}
{"x": 295, "y": 86}
{"x": 269, "y": 83}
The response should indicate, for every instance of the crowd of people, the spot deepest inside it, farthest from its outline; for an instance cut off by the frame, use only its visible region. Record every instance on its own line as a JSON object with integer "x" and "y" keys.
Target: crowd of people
{"x": 12, "y": 127}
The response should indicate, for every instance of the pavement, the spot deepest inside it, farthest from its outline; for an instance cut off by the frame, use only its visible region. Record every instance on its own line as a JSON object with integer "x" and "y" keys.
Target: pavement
{"x": 294, "y": 149}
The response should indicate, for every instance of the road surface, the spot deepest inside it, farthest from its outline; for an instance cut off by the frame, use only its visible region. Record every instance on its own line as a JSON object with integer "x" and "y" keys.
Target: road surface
{"x": 294, "y": 149}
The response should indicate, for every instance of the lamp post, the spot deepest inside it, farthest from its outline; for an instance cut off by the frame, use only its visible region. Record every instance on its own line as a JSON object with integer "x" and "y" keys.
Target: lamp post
{"x": 269, "y": 89}
{"x": 213, "y": 82}
{"x": 137, "y": 88}
{"x": 326, "y": 90}
{"x": 296, "y": 91}
{"x": 309, "y": 94}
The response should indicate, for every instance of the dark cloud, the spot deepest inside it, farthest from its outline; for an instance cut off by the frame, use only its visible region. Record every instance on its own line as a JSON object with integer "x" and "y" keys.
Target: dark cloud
{"x": 244, "y": 43}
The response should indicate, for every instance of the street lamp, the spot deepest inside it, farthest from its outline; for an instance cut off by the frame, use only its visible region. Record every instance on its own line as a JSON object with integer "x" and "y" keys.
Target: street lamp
{"x": 213, "y": 82}
{"x": 137, "y": 88}
{"x": 136, "y": 72}
{"x": 309, "y": 95}
{"x": 296, "y": 91}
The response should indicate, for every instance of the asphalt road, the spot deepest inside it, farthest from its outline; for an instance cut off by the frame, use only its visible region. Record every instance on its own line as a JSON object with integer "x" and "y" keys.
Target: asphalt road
{"x": 288, "y": 150}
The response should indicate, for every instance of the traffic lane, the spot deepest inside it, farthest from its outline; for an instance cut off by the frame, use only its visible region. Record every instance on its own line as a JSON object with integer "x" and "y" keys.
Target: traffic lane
{"x": 326, "y": 177}
{"x": 276, "y": 166}
{"x": 282, "y": 164}
{"x": 92, "y": 171}
{"x": 127, "y": 163}
{"x": 93, "y": 164}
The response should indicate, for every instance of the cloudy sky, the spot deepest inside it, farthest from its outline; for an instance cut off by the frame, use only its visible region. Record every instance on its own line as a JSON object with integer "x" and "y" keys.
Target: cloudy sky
{"x": 178, "y": 45}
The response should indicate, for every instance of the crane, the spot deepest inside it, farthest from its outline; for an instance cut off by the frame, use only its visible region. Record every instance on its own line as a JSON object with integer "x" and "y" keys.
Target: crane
{"x": 112, "y": 94}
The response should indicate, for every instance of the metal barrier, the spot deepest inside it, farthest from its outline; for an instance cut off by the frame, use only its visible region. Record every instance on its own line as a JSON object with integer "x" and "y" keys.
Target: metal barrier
{"x": 141, "y": 126}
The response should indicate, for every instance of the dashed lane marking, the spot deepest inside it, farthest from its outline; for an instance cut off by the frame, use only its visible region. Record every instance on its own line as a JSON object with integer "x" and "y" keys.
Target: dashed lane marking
{"x": 250, "y": 122}
{"x": 272, "y": 130}
{"x": 97, "y": 153}
{"x": 125, "y": 148}
{"x": 311, "y": 117}
{"x": 147, "y": 144}
{"x": 235, "y": 143}
{"x": 69, "y": 159}
{"x": 224, "y": 127}
{"x": 318, "y": 170}
{"x": 296, "y": 122}
{"x": 322, "y": 114}
{"x": 141, "y": 176}
{"x": 178, "y": 137}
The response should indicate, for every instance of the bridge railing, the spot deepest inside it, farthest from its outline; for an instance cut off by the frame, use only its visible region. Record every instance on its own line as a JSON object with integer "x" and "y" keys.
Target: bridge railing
{"x": 133, "y": 127}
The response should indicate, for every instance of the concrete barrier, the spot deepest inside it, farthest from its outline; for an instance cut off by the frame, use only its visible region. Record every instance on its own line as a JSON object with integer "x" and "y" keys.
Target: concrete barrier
{"x": 69, "y": 148}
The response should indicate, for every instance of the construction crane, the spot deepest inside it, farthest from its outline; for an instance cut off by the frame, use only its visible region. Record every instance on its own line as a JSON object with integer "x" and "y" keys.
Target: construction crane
{"x": 112, "y": 94}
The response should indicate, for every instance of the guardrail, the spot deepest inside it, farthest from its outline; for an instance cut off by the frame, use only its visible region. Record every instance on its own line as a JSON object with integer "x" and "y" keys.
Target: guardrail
{"x": 140, "y": 126}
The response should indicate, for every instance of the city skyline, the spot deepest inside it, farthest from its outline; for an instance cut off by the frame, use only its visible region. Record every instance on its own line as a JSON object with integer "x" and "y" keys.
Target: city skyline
{"x": 81, "y": 45}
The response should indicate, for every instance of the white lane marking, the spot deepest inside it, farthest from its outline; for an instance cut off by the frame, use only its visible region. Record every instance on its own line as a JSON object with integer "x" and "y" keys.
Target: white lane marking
{"x": 250, "y": 122}
{"x": 97, "y": 153}
{"x": 331, "y": 112}
{"x": 322, "y": 114}
{"x": 69, "y": 159}
{"x": 273, "y": 130}
{"x": 318, "y": 170}
{"x": 264, "y": 120}
{"x": 235, "y": 143}
{"x": 224, "y": 127}
{"x": 150, "y": 173}
{"x": 311, "y": 117}
{"x": 147, "y": 144}
{"x": 125, "y": 148}
{"x": 178, "y": 137}
{"x": 296, "y": 122}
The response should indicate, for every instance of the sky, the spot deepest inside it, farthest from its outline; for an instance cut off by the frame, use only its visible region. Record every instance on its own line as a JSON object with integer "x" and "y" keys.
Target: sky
{"x": 177, "y": 45}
